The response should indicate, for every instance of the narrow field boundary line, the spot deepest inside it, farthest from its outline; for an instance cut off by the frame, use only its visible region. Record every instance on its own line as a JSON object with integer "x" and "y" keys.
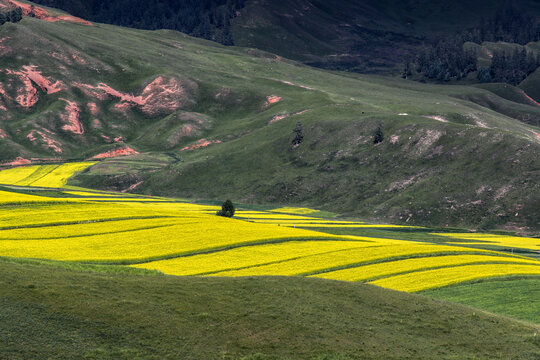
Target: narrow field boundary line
{"x": 92, "y": 234}
{"x": 485, "y": 280}
{"x": 412, "y": 256}
{"x": 442, "y": 267}
{"x": 31, "y": 226}
{"x": 277, "y": 261}
{"x": 215, "y": 249}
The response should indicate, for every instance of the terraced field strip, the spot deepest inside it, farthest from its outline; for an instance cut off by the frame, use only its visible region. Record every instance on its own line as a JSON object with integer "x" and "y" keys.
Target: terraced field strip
{"x": 436, "y": 278}
{"x": 94, "y": 194}
{"x": 40, "y": 172}
{"x": 378, "y": 250}
{"x": 7, "y": 197}
{"x": 269, "y": 216}
{"x": 248, "y": 256}
{"x": 359, "y": 225}
{"x": 493, "y": 239}
{"x": 293, "y": 210}
{"x": 106, "y": 226}
{"x": 59, "y": 176}
{"x": 54, "y": 176}
{"x": 72, "y": 212}
{"x": 190, "y": 234}
{"x": 13, "y": 176}
{"x": 388, "y": 268}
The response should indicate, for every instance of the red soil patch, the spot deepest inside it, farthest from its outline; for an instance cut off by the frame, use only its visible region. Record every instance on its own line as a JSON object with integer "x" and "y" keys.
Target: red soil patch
{"x": 115, "y": 153}
{"x": 3, "y": 134}
{"x": 272, "y": 99}
{"x": 18, "y": 161}
{"x": 27, "y": 95}
{"x": 48, "y": 141}
{"x": 530, "y": 98}
{"x": 96, "y": 123}
{"x": 278, "y": 117}
{"x": 200, "y": 144}
{"x": 37, "y": 77}
{"x": 161, "y": 95}
{"x": 93, "y": 108}
{"x": 132, "y": 187}
{"x": 537, "y": 135}
{"x": 72, "y": 118}
{"x": 41, "y": 13}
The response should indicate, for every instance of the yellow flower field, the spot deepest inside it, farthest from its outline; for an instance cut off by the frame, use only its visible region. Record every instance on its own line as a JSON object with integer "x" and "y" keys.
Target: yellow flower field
{"x": 13, "y": 197}
{"x": 54, "y": 176}
{"x": 429, "y": 279}
{"x": 346, "y": 257}
{"x": 366, "y": 272}
{"x": 180, "y": 238}
{"x": 248, "y": 256}
{"x": 86, "y": 229}
{"x": 493, "y": 239}
{"x": 187, "y": 235}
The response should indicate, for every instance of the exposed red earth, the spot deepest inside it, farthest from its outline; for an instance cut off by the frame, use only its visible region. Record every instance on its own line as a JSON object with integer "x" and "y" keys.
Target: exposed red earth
{"x": 43, "y": 14}
{"x": 71, "y": 117}
{"x": 530, "y": 98}
{"x": 163, "y": 94}
{"x": 46, "y": 138}
{"x": 116, "y": 153}
{"x": 93, "y": 108}
{"x": 17, "y": 162}
{"x": 200, "y": 144}
{"x": 27, "y": 94}
{"x": 3, "y": 134}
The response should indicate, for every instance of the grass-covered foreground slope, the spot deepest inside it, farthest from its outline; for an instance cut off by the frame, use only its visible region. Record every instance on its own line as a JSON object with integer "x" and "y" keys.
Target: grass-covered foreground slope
{"x": 48, "y": 312}
{"x": 216, "y": 122}
{"x": 494, "y": 295}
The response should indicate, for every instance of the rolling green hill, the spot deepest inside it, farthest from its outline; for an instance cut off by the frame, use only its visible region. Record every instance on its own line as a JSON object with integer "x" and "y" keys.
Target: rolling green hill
{"x": 212, "y": 122}
{"x": 52, "y": 312}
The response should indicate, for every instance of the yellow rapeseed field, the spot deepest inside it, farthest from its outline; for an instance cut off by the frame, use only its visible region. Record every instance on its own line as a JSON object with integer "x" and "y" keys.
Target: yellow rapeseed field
{"x": 180, "y": 238}
{"x": 347, "y": 257}
{"x": 248, "y": 256}
{"x": 13, "y": 197}
{"x": 372, "y": 271}
{"x": 55, "y": 176}
{"x": 189, "y": 234}
{"x": 498, "y": 240}
{"x": 429, "y": 279}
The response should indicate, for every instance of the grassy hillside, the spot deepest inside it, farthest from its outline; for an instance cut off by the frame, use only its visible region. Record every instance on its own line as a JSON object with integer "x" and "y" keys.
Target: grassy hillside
{"x": 58, "y": 313}
{"x": 224, "y": 129}
{"x": 516, "y": 298}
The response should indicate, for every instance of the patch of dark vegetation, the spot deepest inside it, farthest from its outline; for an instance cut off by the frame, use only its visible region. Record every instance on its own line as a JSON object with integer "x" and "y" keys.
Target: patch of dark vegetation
{"x": 208, "y": 19}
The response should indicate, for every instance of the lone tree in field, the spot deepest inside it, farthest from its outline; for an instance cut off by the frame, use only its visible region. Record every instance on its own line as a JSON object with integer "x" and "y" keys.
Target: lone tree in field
{"x": 378, "y": 135}
{"x": 227, "y": 209}
{"x": 298, "y": 137}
